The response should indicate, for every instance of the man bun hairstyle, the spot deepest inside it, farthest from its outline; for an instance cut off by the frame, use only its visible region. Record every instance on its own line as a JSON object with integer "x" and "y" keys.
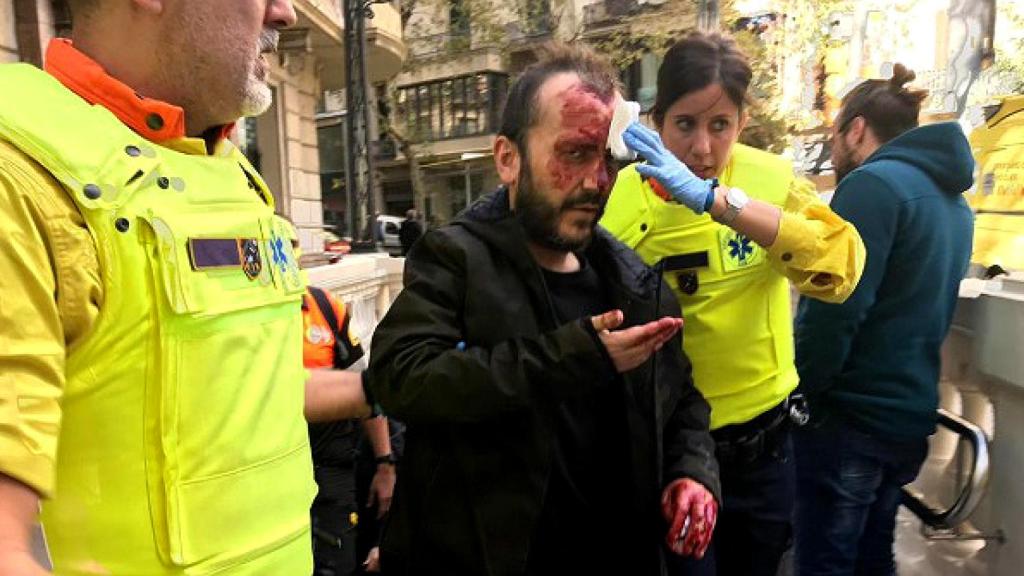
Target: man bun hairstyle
{"x": 522, "y": 107}
{"x": 698, "y": 61}
{"x": 889, "y": 107}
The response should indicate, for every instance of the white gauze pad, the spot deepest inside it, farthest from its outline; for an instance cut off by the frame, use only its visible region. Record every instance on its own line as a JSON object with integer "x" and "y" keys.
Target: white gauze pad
{"x": 625, "y": 113}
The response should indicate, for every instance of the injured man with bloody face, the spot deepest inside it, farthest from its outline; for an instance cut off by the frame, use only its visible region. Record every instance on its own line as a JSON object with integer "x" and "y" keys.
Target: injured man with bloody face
{"x": 553, "y": 426}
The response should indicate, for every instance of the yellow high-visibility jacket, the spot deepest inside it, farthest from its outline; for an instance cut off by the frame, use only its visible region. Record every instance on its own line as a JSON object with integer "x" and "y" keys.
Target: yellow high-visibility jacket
{"x": 182, "y": 448}
{"x": 734, "y": 294}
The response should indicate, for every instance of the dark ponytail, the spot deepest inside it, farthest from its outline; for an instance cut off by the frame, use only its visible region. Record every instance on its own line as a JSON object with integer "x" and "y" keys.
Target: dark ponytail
{"x": 888, "y": 106}
{"x": 696, "y": 62}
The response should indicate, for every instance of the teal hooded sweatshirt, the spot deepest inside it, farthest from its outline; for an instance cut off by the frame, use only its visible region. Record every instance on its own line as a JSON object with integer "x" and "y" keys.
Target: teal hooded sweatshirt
{"x": 873, "y": 361}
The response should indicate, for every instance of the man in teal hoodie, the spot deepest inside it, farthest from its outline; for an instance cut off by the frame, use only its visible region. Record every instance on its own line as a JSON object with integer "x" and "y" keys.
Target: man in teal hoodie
{"x": 870, "y": 366}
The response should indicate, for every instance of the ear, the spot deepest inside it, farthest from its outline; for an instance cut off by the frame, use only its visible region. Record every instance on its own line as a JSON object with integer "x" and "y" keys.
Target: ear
{"x": 507, "y": 161}
{"x": 744, "y": 118}
{"x": 857, "y": 130}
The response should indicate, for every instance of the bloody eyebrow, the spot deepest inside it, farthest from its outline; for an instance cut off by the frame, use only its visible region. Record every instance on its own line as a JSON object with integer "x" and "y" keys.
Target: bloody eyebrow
{"x": 576, "y": 142}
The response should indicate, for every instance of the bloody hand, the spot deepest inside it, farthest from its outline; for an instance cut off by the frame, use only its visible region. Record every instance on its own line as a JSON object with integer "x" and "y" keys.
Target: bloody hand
{"x": 691, "y": 512}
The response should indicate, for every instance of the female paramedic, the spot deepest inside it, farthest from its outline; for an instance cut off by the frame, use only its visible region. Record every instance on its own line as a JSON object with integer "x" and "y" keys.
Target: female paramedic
{"x": 730, "y": 227}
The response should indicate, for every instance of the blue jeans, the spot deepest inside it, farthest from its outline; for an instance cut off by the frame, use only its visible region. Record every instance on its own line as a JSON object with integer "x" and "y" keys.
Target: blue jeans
{"x": 848, "y": 490}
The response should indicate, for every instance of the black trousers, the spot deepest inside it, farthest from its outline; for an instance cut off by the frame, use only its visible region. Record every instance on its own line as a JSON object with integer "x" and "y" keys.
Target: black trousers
{"x": 754, "y": 528}
{"x": 369, "y": 532}
{"x": 334, "y": 530}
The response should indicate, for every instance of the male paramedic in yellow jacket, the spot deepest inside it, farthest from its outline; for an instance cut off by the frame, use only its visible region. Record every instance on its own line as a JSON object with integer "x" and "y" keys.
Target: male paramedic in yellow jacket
{"x": 151, "y": 380}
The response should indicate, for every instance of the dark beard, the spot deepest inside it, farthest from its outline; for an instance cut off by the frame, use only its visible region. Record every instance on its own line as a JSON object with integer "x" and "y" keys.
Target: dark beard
{"x": 841, "y": 173}
{"x": 540, "y": 218}
{"x": 843, "y": 166}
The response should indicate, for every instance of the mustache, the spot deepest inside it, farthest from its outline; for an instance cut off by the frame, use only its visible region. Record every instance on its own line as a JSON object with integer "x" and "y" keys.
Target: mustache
{"x": 269, "y": 40}
{"x": 584, "y": 199}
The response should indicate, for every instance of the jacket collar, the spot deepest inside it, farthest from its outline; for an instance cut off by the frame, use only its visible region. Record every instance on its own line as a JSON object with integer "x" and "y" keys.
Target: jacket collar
{"x": 491, "y": 219}
{"x": 152, "y": 119}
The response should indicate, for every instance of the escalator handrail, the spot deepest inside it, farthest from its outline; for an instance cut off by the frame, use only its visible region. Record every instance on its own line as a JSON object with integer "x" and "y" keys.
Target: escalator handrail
{"x": 973, "y": 489}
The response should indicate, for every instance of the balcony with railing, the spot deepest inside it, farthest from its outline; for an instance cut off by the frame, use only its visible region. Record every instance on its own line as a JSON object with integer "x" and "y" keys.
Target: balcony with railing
{"x": 455, "y": 107}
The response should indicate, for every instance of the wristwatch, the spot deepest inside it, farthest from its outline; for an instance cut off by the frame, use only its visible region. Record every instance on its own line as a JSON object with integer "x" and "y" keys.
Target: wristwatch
{"x": 735, "y": 201}
{"x": 388, "y": 458}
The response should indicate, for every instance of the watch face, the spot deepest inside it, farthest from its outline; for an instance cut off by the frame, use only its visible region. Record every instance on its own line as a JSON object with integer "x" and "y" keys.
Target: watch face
{"x": 736, "y": 197}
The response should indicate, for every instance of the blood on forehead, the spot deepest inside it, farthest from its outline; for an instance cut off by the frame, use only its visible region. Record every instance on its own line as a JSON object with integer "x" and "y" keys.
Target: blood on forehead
{"x": 585, "y": 114}
{"x": 585, "y": 120}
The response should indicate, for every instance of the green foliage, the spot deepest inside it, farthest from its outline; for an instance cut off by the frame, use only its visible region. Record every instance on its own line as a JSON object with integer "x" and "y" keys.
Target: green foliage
{"x": 1006, "y": 75}
{"x": 438, "y": 30}
{"x": 766, "y": 128}
{"x": 623, "y": 49}
{"x": 648, "y": 29}
{"x": 801, "y": 31}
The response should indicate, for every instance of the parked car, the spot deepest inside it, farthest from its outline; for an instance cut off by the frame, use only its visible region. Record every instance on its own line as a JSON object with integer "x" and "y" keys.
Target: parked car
{"x": 387, "y": 234}
{"x": 335, "y": 246}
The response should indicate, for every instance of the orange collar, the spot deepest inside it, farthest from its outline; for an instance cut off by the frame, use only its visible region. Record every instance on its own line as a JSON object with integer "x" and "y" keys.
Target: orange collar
{"x": 152, "y": 119}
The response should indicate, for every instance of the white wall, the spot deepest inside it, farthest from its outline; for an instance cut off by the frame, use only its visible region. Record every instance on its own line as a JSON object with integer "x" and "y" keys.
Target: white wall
{"x": 8, "y": 36}
{"x": 367, "y": 283}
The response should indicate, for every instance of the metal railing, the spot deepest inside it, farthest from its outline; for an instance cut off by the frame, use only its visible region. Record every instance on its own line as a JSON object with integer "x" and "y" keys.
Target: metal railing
{"x": 454, "y": 107}
{"x": 972, "y": 489}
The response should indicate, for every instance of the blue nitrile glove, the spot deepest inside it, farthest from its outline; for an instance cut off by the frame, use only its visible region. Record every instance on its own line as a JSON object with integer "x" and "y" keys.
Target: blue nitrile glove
{"x": 662, "y": 165}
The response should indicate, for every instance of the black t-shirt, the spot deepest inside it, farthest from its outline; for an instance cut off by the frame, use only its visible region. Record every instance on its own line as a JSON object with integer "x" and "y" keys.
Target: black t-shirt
{"x": 589, "y": 471}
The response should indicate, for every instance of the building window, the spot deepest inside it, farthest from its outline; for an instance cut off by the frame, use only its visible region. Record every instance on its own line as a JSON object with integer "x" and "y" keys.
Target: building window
{"x": 453, "y": 107}
{"x": 641, "y": 80}
{"x": 537, "y": 16}
{"x": 61, "y": 18}
{"x": 258, "y": 138}
{"x": 465, "y": 188}
{"x": 331, "y": 146}
{"x": 458, "y": 24}
{"x": 249, "y": 142}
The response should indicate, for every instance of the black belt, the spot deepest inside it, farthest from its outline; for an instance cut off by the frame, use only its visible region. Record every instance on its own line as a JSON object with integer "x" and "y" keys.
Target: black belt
{"x": 747, "y": 441}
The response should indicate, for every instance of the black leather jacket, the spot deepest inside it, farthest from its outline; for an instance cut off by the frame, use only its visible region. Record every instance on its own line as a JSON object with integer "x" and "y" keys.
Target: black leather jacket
{"x": 479, "y": 420}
